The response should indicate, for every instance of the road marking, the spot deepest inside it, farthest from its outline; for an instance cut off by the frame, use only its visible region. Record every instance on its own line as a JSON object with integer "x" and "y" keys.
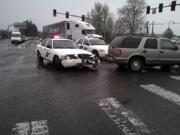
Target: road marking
{"x": 173, "y": 97}
{"x": 21, "y": 129}
{"x": 175, "y": 77}
{"x": 31, "y": 128}
{"x": 39, "y": 127}
{"x": 128, "y": 123}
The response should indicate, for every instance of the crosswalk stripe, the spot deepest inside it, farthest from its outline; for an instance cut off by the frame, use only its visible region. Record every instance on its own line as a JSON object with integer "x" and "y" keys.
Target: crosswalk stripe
{"x": 173, "y": 97}
{"x": 128, "y": 123}
{"x": 39, "y": 127}
{"x": 21, "y": 129}
{"x": 31, "y": 128}
{"x": 175, "y": 77}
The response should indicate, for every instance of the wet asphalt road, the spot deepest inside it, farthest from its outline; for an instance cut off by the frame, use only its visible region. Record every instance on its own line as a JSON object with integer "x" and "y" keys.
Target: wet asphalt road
{"x": 68, "y": 99}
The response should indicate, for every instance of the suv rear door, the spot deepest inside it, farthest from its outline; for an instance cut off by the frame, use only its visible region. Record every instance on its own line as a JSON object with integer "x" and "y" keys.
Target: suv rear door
{"x": 169, "y": 53}
{"x": 151, "y": 51}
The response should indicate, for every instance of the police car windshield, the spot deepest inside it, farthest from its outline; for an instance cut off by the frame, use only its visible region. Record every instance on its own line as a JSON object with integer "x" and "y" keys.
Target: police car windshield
{"x": 63, "y": 44}
{"x": 96, "y": 42}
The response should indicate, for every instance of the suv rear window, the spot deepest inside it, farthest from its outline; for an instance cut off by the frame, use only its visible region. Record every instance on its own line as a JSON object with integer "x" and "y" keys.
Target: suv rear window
{"x": 151, "y": 44}
{"x": 131, "y": 42}
{"x": 117, "y": 42}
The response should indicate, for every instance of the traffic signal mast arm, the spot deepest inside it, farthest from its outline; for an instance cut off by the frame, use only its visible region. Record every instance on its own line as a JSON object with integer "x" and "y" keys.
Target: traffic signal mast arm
{"x": 67, "y": 16}
{"x": 161, "y": 6}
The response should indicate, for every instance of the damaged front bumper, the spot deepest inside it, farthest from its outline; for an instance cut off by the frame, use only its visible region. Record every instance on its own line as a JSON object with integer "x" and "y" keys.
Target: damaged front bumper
{"x": 80, "y": 62}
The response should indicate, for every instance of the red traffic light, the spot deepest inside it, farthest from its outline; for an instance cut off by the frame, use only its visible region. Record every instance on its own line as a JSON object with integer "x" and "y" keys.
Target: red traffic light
{"x": 173, "y": 6}
{"x": 83, "y": 18}
{"x": 67, "y": 14}
{"x": 54, "y": 12}
{"x": 160, "y": 7}
{"x": 148, "y": 10}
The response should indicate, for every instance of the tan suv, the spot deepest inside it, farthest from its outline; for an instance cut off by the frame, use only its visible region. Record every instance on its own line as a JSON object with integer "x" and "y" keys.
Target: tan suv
{"x": 137, "y": 52}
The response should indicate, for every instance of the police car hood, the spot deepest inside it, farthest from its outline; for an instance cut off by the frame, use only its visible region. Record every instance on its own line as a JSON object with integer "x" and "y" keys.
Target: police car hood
{"x": 71, "y": 51}
{"x": 101, "y": 47}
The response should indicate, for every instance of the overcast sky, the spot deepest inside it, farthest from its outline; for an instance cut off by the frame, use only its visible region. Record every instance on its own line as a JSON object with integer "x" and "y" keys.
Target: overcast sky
{"x": 40, "y": 11}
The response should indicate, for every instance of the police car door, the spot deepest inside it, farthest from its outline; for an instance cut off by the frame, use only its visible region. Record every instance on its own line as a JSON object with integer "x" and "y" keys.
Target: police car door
{"x": 85, "y": 44}
{"x": 48, "y": 50}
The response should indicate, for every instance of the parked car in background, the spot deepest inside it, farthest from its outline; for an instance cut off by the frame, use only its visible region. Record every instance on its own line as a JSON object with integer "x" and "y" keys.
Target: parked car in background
{"x": 16, "y": 37}
{"x": 94, "y": 45}
{"x": 64, "y": 53}
{"x": 23, "y": 38}
{"x": 137, "y": 52}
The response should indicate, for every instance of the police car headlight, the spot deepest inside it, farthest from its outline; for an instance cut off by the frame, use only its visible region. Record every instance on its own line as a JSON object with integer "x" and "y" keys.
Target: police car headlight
{"x": 65, "y": 58}
{"x": 68, "y": 57}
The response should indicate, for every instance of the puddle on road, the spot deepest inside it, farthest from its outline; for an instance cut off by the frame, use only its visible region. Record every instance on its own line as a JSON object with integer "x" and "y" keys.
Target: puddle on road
{"x": 126, "y": 101}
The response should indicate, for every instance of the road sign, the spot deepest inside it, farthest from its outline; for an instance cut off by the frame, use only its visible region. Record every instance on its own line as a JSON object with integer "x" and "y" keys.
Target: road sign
{"x": 19, "y": 25}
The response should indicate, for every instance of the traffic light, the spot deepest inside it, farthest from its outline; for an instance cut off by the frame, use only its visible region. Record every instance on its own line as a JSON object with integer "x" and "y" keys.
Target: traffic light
{"x": 148, "y": 10}
{"x": 83, "y": 18}
{"x": 67, "y": 14}
{"x": 54, "y": 12}
{"x": 160, "y": 7}
{"x": 173, "y": 6}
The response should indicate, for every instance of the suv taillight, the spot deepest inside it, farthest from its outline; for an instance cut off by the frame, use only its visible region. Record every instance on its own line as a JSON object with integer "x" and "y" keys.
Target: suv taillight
{"x": 119, "y": 52}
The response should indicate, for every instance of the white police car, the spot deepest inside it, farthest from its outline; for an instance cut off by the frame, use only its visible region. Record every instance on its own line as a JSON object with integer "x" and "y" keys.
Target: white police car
{"x": 64, "y": 53}
{"x": 94, "y": 45}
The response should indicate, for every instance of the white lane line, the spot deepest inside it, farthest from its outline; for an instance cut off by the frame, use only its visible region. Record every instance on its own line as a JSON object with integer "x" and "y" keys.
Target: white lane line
{"x": 21, "y": 129}
{"x": 175, "y": 77}
{"x": 39, "y": 127}
{"x": 128, "y": 123}
{"x": 173, "y": 97}
{"x": 31, "y": 128}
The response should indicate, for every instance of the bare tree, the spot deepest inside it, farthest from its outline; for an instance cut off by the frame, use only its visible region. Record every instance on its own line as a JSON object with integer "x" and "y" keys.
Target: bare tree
{"x": 168, "y": 33}
{"x": 102, "y": 20}
{"x": 131, "y": 15}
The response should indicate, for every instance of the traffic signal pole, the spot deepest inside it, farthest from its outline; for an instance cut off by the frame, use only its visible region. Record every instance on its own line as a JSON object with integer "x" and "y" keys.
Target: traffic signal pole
{"x": 161, "y": 6}
{"x": 67, "y": 16}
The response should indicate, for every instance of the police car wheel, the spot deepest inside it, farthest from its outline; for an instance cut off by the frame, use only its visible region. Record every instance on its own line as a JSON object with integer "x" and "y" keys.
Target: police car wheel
{"x": 57, "y": 62}
{"x": 40, "y": 59}
{"x": 96, "y": 54}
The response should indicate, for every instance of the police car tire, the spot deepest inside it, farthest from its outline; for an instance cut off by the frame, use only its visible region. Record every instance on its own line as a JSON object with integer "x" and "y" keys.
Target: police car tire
{"x": 40, "y": 59}
{"x": 96, "y": 54}
{"x": 57, "y": 62}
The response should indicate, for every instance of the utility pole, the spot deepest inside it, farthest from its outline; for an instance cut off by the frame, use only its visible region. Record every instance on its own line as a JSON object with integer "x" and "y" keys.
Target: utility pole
{"x": 8, "y": 29}
{"x": 152, "y": 28}
{"x": 147, "y": 27}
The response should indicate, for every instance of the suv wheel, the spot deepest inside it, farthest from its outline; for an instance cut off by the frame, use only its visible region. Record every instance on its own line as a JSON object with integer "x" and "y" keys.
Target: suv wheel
{"x": 40, "y": 59}
{"x": 136, "y": 64}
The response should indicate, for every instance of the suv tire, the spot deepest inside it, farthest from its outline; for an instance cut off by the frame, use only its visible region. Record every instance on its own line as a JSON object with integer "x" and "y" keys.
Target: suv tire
{"x": 135, "y": 64}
